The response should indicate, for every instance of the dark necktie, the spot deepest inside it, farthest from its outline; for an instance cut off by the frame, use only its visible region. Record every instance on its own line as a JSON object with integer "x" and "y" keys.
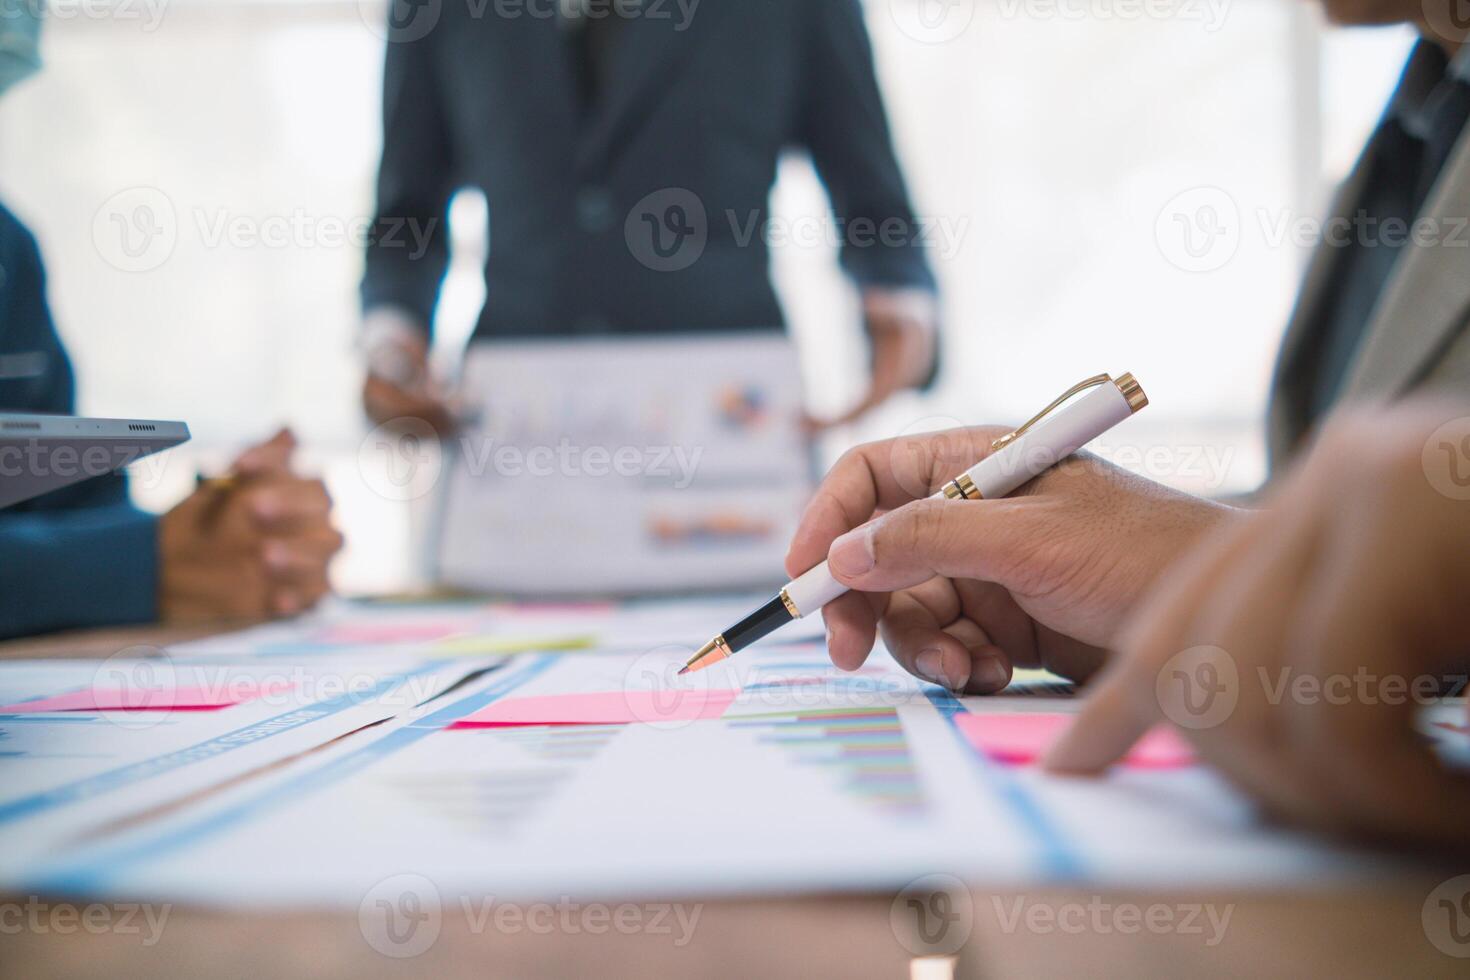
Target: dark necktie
{"x": 592, "y": 41}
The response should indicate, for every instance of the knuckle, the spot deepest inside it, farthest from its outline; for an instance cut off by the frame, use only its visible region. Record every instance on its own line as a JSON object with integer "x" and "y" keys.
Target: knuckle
{"x": 914, "y": 530}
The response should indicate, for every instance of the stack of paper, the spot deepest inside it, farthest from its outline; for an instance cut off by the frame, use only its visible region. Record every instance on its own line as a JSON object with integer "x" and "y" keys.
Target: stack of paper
{"x": 598, "y": 774}
{"x": 85, "y": 746}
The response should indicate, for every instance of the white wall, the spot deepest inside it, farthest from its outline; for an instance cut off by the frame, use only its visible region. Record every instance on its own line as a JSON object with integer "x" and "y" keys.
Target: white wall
{"x": 1060, "y": 143}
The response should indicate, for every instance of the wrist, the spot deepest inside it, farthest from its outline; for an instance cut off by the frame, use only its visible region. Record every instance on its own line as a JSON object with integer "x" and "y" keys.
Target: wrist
{"x": 395, "y": 345}
{"x": 910, "y": 307}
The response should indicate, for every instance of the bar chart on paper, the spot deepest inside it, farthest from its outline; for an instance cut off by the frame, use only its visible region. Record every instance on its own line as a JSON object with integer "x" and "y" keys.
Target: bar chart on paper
{"x": 863, "y": 750}
{"x": 602, "y": 773}
{"x": 531, "y": 765}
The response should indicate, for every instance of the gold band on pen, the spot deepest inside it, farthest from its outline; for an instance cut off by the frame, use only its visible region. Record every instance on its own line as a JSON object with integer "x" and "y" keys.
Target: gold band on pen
{"x": 962, "y": 488}
{"x": 1132, "y": 392}
{"x": 790, "y": 605}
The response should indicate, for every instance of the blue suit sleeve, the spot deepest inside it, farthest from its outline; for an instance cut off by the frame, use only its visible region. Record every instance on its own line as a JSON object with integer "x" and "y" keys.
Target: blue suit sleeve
{"x": 82, "y": 555}
{"x": 843, "y": 125}
{"x": 94, "y": 566}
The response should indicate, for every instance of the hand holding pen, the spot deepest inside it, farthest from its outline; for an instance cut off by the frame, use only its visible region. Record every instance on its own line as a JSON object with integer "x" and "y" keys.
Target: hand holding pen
{"x": 963, "y": 589}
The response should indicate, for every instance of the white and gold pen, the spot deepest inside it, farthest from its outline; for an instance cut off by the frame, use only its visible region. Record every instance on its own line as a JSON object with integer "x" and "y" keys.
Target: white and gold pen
{"x": 1045, "y": 440}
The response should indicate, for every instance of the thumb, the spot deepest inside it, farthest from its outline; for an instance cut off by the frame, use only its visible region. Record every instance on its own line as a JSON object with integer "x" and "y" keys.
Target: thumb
{"x": 954, "y": 538}
{"x": 273, "y": 454}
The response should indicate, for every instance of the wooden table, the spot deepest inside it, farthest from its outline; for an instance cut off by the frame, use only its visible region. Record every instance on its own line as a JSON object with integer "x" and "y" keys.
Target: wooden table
{"x": 1361, "y": 931}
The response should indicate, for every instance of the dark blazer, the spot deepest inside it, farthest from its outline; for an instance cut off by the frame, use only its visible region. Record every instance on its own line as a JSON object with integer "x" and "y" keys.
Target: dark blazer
{"x": 1418, "y": 336}
{"x": 81, "y": 555}
{"x": 695, "y": 112}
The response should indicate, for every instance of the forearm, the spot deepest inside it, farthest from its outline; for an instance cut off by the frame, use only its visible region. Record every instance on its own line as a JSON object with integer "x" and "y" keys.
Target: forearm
{"x": 408, "y": 252}
{"x": 66, "y": 569}
{"x": 845, "y": 126}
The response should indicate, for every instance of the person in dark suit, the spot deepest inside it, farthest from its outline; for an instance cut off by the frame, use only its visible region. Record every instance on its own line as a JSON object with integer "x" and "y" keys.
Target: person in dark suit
{"x": 83, "y": 555}
{"x": 963, "y": 590}
{"x": 628, "y": 152}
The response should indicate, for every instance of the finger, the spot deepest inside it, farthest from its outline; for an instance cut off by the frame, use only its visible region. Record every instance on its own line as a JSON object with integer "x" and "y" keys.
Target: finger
{"x": 282, "y": 505}
{"x": 293, "y": 600}
{"x": 1064, "y": 656}
{"x": 1122, "y": 704}
{"x": 301, "y": 557}
{"x": 990, "y": 667}
{"x": 916, "y": 638}
{"x": 1248, "y": 617}
{"x": 881, "y": 476}
{"x": 1360, "y": 739}
{"x": 941, "y": 603}
{"x": 300, "y": 589}
{"x": 852, "y": 626}
{"x": 1009, "y": 626}
{"x": 965, "y": 539}
{"x": 270, "y": 456}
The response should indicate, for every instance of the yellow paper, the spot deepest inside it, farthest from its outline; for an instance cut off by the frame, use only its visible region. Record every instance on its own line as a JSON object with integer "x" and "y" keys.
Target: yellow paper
{"x": 472, "y": 645}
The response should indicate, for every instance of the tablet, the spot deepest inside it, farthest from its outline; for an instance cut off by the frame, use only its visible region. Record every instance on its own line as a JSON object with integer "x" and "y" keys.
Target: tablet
{"x": 39, "y": 453}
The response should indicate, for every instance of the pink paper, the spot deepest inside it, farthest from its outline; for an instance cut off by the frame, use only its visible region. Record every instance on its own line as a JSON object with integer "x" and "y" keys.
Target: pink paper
{"x": 370, "y": 633}
{"x": 559, "y": 610}
{"x": 157, "y": 699}
{"x": 1022, "y": 739}
{"x": 601, "y": 708}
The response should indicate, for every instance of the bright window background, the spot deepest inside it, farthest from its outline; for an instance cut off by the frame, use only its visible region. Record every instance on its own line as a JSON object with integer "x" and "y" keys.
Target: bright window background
{"x": 1043, "y": 143}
